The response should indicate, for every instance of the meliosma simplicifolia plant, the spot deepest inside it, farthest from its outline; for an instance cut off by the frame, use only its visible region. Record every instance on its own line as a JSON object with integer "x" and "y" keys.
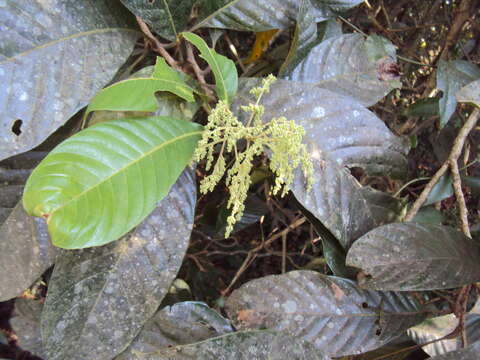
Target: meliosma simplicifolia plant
{"x": 281, "y": 137}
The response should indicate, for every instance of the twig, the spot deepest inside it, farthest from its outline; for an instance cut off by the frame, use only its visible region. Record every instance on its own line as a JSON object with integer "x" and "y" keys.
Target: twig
{"x": 453, "y": 157}
{"x": 198, "y": 72}
{"x": 462, "y": 207}
{"x": 159, "y": 47}
{"x": 284, "y": 253}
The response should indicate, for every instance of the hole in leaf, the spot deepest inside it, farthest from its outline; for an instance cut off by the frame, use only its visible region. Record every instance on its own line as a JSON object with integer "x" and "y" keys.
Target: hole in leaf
{"x": 17, "y": 127}
{"x": 151, "y": 1}
{"x": 378, "y": 332}
{"x": 364, "y": 305}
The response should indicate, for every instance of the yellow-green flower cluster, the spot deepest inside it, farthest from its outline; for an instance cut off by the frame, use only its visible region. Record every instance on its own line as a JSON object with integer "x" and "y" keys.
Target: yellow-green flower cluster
{"x": 282, "y": 137}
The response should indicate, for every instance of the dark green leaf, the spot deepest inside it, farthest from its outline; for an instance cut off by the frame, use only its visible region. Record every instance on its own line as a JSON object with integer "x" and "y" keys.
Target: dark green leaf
{"x": 414, "y": 256}
{"x": 103, "y": 181}
{"x": 54, "y": 57}
{"x": 349, "y": 64}
{"x": 98, "y": 299}
{"x": 138, "y": 93}
{"x": 335, "y": 200}
{"x": 469, "y": 353}
{"x": 330, "y": 312}
{"x": 442, "y": 190}
{"x": 470, "y": 93}
{"x": 26, "y": 325}
{"x": 384, "y": 207}
{"x": 166, "y": 17}
{"x": 424, "y": 107}
{"x": 25, "y": 252}
{"x": 179, "y": 324}
{"x": 248, "y": 345}
{"x": 451, "y": 77}
{"x": 430, "y": 215}
{"x": 224, "y": 70}
{"x": 247, "y": 15}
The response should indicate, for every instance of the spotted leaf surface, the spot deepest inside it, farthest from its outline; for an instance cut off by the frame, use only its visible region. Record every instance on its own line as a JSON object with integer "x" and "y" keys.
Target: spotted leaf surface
{"x": 99, "y": 298}
{"x": 247, "y": 15}
{"x": 415, "y": 256}
{"x": 25, "y": 252}
{"x": 54, "y": 56}
{"x": 332, "y": 313}
{"x": 351, "y": 65}
{"x": 247, "y": 345}
{"x": 180, "y": 324}
{"x": 100, "y": 183}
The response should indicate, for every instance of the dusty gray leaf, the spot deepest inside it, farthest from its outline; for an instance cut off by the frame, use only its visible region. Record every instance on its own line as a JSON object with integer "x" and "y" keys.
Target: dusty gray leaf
{"x": 179, "y": 324}
{"x": 384, "y": 207}
{"x": 436, "y": 328}
{"x": 451, "y": 77}
{"x": 248, "y": 345}
{"x": 415, "y": 256}
{"x": 247, "y": 15}
{"x": 25, "y": 252}
{"x": 54, "y": 56}
{"x": 26, "y": 325}
{"x": 470, "y": 93}
{"x": 469, "y": 353}
{"x": 336, "y": 125}
{"x": 99, "y": 298}
{"x": 336, "y": 200}
{"x": 10, "y": 195}
{"x": 351, "y": 65}
{"x": 166, "y": 17}
{"x": 332, "y": 313}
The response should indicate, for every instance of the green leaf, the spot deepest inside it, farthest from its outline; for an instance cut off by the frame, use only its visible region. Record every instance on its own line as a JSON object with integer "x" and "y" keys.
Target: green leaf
{"x": 248, "y": 345}
{"x": 451, "y": 77}
{"x": 99, "y": 298}
{"x": 138, "y": 94}
{"x": 443, "y": 189}
{"x": 469, "y": 353}
{"x": 430, "y": 215}
{"x": 224, "y": 70}
{"x": 166, "y": 17}
{"x": 423, "y": 107}
{"x": 247, "y": 15}
{"x": 414, "y": 256}
{"x": 53, "y": 59}
{"x": 25, "y": 251}
{"x": 332, "y": 313}
{"x": 26, "y": 325}
{"x": 180, "y": 324}
{"x": 470, "y": 93}
{"x": 351, "y": 65}
{"x": 103, "y": 181}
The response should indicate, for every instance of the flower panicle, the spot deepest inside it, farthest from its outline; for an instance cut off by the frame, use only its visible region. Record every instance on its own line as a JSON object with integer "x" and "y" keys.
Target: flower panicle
{"x": 282, "y": 137}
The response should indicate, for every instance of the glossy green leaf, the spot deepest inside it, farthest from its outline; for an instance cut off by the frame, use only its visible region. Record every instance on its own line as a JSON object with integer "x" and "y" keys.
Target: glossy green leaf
{"x": 180, "y": 324}
{"x": 138, "y": 94}
{"x": 415, "y": 256}
{"x": 103, "y": 181}
{"x": 332, "y": 313}
{"x": 451, "y": 77}
{"x": 469, "y": 353}
{"x": 351, "y": 65}
{"x": 54, "y": 57}
{"x": 25, "y": 251}
{"x": 166, "y": 17}
{"x": 248, "y": 345}
{"x": 224, "y": 70}
{"x": 470, "y": 93}
{"x": 99, "y": 298}
{"x": 247, "y": 15}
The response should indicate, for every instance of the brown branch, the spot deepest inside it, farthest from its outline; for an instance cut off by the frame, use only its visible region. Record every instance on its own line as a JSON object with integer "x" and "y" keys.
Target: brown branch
{"x": 462, "y": 207}
{"x": 199, "y": 73}
{"x": 452, "y": 157}
{"x": 157, "y": 45}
